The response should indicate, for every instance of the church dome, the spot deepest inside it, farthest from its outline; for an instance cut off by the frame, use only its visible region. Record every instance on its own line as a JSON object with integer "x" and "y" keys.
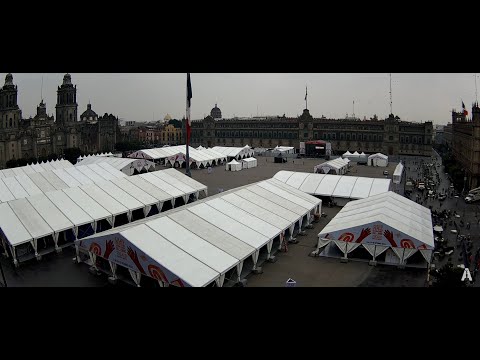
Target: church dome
{"x": 216, "y": 113}
{"x": 89, "y": 114}
{"x": 167, "y": 118}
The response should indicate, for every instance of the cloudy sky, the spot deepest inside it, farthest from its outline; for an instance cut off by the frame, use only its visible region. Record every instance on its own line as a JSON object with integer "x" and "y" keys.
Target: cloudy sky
{"x": 144, "y": 97}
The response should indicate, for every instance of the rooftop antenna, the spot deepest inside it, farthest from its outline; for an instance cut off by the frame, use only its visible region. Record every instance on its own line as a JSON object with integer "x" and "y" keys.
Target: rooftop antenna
{"x": 354, "y": 109}
{"x": 41, "y": 90}
{"x": 257, "y": 110}
{"x": 476, "y": 97}
{"x": 306, "y": 97}
{"x": 391, "y": 110}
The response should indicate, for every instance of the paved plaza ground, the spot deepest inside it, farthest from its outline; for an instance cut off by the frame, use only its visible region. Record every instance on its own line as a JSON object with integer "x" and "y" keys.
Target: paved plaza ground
{"x": 59, "y": 269}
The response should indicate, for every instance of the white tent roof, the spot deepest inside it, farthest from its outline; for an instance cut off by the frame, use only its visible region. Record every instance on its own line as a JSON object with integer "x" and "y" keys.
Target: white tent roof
{"x": 334, "y": 185}
{"x": 141, "y": 195}
{"x": 69, "y": 208}
{"x": 347, "y": 153}
{"x": 407, "y": 218}
{"x": 233, "y": 162}
{"x": 12, "y": 227}
{"x": 50, "y": 213}
{"x": 30, "y": 218}
{"x": 30, "y": 169}
{"x": 249, "y": 159}
{"x": 120, "y": 195}
{"x": 104, "y": 199}
{"x": 378, "y": 155}
{"x": 356, "y": 153}
{"x": 233, "y": 151}
{"x": 197, "y": 243}
{"x": 87, "y": 204}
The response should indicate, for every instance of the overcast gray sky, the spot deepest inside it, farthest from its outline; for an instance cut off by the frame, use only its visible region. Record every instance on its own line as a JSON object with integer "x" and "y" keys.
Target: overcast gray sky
{"x": 416, "y": 97}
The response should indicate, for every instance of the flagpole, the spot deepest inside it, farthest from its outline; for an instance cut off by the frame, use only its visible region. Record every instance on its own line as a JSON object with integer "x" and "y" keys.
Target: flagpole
{"x": 188, "y": 123}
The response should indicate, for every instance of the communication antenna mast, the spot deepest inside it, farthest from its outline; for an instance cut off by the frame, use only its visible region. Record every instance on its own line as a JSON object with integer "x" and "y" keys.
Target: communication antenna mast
{"x": 391, "y": 110}
{"x": 41, "y": 90}
{"x": 476, "y": 97}
{"x": 354, "y": 109}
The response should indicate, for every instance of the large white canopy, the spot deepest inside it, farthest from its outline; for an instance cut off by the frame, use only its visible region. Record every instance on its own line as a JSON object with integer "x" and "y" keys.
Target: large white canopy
{"x": 204, "y": 157}
{"x": 65, "y": 209}
{"x": 30, "y": 169}
{"x": 349, "y": 187}
{"x": 379, "y": 222}
{"x": 249, "y": 163}
{"x": 196, "y": 245}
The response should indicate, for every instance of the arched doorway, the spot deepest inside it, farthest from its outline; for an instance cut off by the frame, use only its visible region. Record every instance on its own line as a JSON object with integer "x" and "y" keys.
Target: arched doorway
{"x": 43, "y": 152}
{"x": 390, "y": 150}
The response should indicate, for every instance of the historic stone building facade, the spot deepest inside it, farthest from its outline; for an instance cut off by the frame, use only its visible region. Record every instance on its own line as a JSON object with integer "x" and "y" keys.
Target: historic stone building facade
{"x": 466, "y": 144}
{"x": 390, "y": 136}
{"x": 42, "y": 135}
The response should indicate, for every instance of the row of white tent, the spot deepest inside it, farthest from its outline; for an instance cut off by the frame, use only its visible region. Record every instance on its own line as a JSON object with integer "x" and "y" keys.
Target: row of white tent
{"x": 125, "y": 165}
{"x": 36, "y": 167}
{"x": 247, "y": 163}
{"x": 338, "y": 166}
{"x": 208, "y": 243}
{"x": 172, "y": 154}
{"x": 340, "y": 187}
{"x": 382, "y": 223}
{"x": 109, "y": 154}
{"x": 57, "y": 218}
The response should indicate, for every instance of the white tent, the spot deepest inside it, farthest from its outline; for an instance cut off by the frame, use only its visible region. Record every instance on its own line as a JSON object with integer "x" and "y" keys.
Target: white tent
{"x": 284, "y": 150}
{"x": 356, "y": 153}
{"x": 176, "y": 154}
{"x": 397, "y": 174}
{"x": 387, "y": 224}
{"x": 337, "y": 166}
{"x": 233, "y": 166}
{"x": 348, "y": 153}
{"x": 378, "y": 159}
{"x": 235, "y": 152}
{"x": 249, "y": 163}
{"x": 208, "y": 243}
{"x": 338, "y": 187}
{"x": 30, "y": 169}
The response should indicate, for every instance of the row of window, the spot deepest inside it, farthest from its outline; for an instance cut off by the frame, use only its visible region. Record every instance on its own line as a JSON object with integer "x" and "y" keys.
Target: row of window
{"x": 257, "y": 125}
{"x": 257, "y": 134}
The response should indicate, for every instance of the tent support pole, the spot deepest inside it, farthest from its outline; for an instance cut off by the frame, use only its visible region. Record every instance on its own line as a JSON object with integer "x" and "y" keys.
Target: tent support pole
{"x": 14, "y": 256}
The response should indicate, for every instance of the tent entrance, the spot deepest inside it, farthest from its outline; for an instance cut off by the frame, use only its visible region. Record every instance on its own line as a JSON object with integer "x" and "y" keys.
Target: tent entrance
{"x": 360, "y": 254}
{"x": 85, "y": 230}
{"x": 66, "y": 238}
{"x": 137, "y": 214}
{"x": 121, "y": 219}
{"x": 103, "y": 225}
{"x": 416, "y": 260}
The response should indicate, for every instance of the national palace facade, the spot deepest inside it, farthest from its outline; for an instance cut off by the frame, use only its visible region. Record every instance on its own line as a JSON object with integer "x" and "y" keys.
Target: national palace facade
{"x": 390, "y": 136}
{"x": 43, "y": 135}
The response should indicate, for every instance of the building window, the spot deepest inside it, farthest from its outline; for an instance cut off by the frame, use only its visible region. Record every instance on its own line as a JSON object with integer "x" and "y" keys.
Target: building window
{"x": 390, "y": 137}
{"x": 305, "y": 135}
{"x": 354, "y": 137}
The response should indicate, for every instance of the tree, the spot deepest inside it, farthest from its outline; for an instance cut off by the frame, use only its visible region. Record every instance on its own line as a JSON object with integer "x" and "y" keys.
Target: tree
{"x": 448, "y": 276}
{"x": 72, "y": 154}
{"x": 12, "y": 163}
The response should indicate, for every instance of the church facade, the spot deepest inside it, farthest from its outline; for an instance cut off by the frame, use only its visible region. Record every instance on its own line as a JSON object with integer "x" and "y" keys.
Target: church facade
{"x": 43, "y": 135}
